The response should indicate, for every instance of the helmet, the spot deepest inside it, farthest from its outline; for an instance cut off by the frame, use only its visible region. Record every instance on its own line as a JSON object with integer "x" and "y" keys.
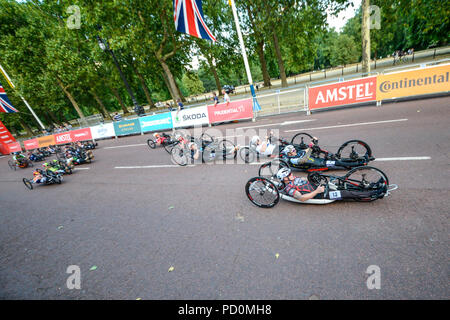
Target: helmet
{"x": 255, "y": 140}
{"x": 45, "y": 164}
{"x": 288, "y": 149}
{"x": 156, "y": 135}
{"x": 35, "y": 173}
{"x": 283, "y": 173}
{"x": 55, "y": 160}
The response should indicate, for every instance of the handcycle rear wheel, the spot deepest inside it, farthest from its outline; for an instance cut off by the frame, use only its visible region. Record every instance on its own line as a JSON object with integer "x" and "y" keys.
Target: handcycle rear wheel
{"x": 302, "y": 140}
{"x": 354, "y": 150}
{"x": 262, "y": 192}
{"x": 12, "y": 164}
{"x": 226, "y": 149}
{"x": 247, "y": 155}
{"x": 28, "y": 183}
{"x": 180, "y": 155}
{"x": 366, "y": 179}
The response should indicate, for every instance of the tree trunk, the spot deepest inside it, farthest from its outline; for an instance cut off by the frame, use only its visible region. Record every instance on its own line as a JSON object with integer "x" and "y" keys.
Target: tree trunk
{"x": 102, "y": 106}
{"x": 279, "y": 60}
{"x": 262, "y": 60}
{"x": 144, "y": 86}
{"x": 72, "y": 100}
{"x": 173, "y": 87}
{"x": 214, "y": 72}
{"x": 122, "y": 105}
{"x": 365, "y": 36}
{"x": 26, "y": 127}
{"x": 168, "y": 86}
{"x": 54, "y": 117}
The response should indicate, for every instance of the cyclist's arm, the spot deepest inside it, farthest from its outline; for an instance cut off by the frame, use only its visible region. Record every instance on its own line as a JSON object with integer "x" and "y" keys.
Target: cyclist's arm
{"x": 307, "y": 196}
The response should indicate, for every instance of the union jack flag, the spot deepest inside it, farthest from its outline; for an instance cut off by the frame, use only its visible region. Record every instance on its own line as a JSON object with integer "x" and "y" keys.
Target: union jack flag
{"x": 188, "y": 18}
{"x": 5, "y": 104}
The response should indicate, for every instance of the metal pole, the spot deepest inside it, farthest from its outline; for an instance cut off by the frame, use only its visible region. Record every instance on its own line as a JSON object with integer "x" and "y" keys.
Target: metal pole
{"x": 23, "y": 99}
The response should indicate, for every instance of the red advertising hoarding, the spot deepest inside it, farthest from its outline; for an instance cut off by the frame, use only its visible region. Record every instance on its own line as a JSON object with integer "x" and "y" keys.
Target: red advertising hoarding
{"x": 31, "y": 144}
{"x": 81, "y": 134}
{"x": 5, "y": 136}
{"x": 342, "y": 93}
{"x": 235, "y": 110}
{"x": 14, "y": 147}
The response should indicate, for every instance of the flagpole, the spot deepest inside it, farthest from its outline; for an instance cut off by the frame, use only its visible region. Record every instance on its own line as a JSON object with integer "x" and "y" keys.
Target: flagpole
{"x": 244, "y": 55}
{"x": 23, "y": 99}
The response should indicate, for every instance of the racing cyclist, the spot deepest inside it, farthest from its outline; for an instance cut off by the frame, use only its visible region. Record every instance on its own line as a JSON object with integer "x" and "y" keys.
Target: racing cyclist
{"x": 302, "y": 190}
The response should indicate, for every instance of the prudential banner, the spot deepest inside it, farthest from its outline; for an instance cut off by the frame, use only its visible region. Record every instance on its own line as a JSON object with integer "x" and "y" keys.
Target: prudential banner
{"x": 190, "y": 117}
{"x": 161, "y": 121}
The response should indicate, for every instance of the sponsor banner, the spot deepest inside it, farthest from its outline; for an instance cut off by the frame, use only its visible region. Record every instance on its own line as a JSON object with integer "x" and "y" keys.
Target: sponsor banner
{"x": 125, "y": 127}
{"x": 236, "y": 110}
{"x": 5, "y": 136}
{"x": 81, "y": 134}
{"x": 14, "y": 147}
{"x": 62, "y": 138}
{"x": 156, "y": 122}
{"x": 414, "y": 82}
{"x": 190, "y": 117}
{"x": 103, "y": 131}
{"x": 342, "y": 93}
{"x": 46, "y": 141}
{"x": 31, "y": 144}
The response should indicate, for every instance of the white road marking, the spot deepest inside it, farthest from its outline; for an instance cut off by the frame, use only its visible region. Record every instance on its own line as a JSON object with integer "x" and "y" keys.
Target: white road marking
{"x": 2, "y": 157}
{"x": 348, "y": 125}
{"x": 128, "y": 145}
{"x": 81, "y": 169}
{"x": 154, "y": 166}
{"x": 402, "y": 158}
{"x": 285, "y": 123}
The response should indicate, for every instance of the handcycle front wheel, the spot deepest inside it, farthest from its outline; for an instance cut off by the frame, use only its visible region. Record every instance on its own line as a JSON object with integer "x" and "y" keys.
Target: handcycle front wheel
{"x": 262, "y": 192}
{"x": 180, "y": 155}
{"x": 27, "y": 183}
{"x": 271, "y": 168}
{"x": 151, "y": 143}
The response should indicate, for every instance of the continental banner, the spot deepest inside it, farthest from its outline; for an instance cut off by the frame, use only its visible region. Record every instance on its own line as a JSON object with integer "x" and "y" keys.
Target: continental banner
{"x": 415, "y": 82}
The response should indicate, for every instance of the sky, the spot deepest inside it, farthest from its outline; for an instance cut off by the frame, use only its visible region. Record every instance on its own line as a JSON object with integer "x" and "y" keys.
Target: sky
{"x": 339, "y": 21}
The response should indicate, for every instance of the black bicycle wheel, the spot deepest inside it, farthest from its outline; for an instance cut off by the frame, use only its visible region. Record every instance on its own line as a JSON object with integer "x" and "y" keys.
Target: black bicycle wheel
{"x": 365, "y": 179}
{"x": 12, "y": 164}
{"x": 354, "y": 150}
{"x": 262, "y": 192}
{"x": 27, "y": 183}
{"x": 169, "y": 146}
{"x": 180, "y": 155}
{"x": 302, "y": 140}
{"x": 227, "y": 149}
{"x": 271, "y": 168}
{"x": 151, "y": 143}
{"x": 247, "y": 155}
{"x": 211, "y": 152}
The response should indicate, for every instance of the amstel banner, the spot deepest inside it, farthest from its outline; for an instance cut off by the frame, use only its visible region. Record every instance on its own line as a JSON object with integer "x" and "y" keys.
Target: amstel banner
{"x": 342, "y": 93}
{"x": 414, "y": 82}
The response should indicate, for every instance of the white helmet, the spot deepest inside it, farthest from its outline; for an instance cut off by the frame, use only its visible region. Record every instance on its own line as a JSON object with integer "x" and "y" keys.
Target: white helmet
{"x": 283, "y": 173}
{"x": 255, "y": 140}
{"x": 288, "y": 149}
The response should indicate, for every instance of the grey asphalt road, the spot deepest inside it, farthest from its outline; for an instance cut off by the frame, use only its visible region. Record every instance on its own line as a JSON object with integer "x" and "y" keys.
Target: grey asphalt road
{"x": 190, "y": 232}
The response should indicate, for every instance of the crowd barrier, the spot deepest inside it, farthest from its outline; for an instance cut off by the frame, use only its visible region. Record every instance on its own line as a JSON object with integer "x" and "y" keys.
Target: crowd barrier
{"x": 422, "y": 81}
{"x": 236, "y": 110}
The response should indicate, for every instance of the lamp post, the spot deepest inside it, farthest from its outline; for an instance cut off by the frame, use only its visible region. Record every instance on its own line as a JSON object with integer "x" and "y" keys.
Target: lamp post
{"x": 104, "y": 45}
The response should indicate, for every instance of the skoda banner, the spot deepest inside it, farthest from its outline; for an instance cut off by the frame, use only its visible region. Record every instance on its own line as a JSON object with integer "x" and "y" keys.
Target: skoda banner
{"x": 103, "y": 131}
{"x": 156, "y": 122}
{"x": 190, "y": 117}
{"x": 125, "y": 127}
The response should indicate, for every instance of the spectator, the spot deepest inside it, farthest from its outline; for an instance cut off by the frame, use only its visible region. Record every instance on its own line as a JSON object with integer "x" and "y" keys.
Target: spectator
{"x": 169, "y": 106}
{"x": 180, "y": 104}
{"x": 68, "y": 126}
{"x": 117, "y": 117}
{"x": 215, "y": 99}
{"x": 226, "y": 97}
